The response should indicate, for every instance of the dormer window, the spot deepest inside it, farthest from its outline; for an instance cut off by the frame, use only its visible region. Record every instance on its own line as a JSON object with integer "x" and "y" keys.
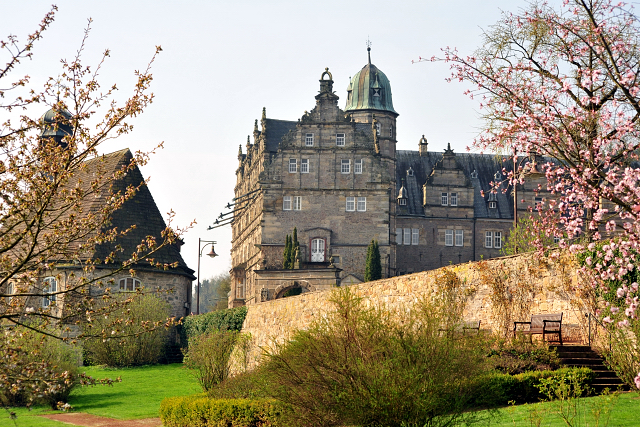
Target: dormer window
{"x": 492, "y": 201}
{"x": 402, "y": 202}
{"x": 376, "y": 92}
{"x": 410, "y": 172}
{"x": 474, "y": 174}
{"x": 497, "y": 176}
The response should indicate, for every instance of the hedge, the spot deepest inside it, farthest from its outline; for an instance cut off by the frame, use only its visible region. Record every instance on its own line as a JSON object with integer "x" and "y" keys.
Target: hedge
{"x": 201, "y": 411}
{"x": 499, "y": 389}
{"x": 230, "y": 319}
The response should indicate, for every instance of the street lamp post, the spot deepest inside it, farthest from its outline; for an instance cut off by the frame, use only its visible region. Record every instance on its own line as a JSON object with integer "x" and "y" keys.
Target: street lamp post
{"x": 210, "y": 254}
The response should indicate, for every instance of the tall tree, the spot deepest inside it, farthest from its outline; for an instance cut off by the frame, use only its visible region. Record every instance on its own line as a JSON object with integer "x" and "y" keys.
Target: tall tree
{"x": 286, "y": 261}
{"x": 565, "y": 83}
{"x": 46, "y": 201}
{"x": 214, "y": 292}
{"x": 295, "y": 251}
{"x": 373, "y": 267}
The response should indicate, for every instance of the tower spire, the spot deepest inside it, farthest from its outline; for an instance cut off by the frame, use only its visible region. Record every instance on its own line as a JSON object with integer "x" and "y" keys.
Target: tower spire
{"x": 369, "y": 49}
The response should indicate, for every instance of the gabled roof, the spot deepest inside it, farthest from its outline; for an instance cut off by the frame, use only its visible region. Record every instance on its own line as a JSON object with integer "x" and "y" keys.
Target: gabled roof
{"x": 276, "y": 129}
{"x": 479, "y": 168}
{"x": 140, "y": 210}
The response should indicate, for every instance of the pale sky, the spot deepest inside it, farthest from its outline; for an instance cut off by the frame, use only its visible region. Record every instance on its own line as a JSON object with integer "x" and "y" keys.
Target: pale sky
{"x": 222, "y": 61}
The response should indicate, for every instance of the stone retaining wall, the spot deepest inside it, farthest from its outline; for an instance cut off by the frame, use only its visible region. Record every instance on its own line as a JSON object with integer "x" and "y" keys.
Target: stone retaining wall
{"x": 497, "y": 292}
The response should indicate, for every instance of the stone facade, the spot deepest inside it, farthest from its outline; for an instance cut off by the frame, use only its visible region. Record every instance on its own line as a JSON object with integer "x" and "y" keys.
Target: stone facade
{"x": 337, "y": 177}
{"x": 552, "y": 286}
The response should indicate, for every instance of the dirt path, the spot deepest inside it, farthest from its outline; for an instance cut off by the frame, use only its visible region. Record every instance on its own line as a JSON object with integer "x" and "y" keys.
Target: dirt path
{"x": 88, "y": 420}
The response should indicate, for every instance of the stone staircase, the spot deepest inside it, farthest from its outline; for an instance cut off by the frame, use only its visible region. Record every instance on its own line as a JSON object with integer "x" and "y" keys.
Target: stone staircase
{"x": 583, "y": 356}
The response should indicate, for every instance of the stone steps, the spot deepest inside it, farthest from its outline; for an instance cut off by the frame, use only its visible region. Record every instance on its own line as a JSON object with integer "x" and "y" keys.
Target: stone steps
{"x": 583, "y": 356}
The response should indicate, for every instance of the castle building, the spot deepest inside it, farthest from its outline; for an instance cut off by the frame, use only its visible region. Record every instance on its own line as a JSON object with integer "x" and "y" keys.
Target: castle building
{"x": 335, "y": 175}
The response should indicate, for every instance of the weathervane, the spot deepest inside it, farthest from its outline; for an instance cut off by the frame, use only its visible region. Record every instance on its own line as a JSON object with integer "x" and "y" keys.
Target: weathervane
{"x": 369, "y": 49}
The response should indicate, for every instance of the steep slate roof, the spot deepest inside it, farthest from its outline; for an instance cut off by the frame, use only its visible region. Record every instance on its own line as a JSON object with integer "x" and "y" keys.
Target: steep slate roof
{"x": 140, "y": 210}
{"x": 486, "y": 165}
{"x": 276, "y": 129}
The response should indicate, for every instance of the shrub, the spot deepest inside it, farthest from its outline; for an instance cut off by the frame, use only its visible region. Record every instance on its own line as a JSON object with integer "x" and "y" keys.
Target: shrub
{"x": 209, "y": 355}
{"x": 515, "y": 356}
{"x": 44, "y": 370}
{"x": 222, "y": 320}
{"x": 202, "y": 411}
{"x": 135, "y": 345}
{"x": 366, "y": 366}
{"x": 498, "y": 389}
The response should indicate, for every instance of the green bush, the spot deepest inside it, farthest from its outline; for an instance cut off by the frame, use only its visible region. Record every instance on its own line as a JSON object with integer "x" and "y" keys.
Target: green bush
{"x": 208, "y": 356}
{"x": 132, "y": 343}
{"x": 43, "y": 370}
{"x": 498, "y": 389}
{"x": 202, "y": 411}
{"x": 366, "y": 366}
{"x": 230, "y": 319}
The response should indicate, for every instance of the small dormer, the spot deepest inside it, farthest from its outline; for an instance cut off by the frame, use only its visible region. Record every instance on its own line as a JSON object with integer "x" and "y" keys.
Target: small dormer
{"x": 410, "y": 171}
{"x": 474, "y": 174}
{"x": 402, "y": 195}
{"x": 492, "y": 201}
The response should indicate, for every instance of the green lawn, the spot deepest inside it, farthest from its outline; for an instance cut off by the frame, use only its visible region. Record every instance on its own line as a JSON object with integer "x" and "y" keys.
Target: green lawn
{"x": 137, "y": 396}
{"x": 624, "y": 412}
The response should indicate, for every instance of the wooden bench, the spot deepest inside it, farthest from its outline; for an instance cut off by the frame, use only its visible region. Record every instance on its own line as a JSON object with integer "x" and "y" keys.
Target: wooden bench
{"x": 544, "y": 324}
{"x": 473, "y": 325}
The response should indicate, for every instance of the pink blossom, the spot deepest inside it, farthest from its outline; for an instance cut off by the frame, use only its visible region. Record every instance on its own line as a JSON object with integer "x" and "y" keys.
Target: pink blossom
{"x": 637, "y": 380}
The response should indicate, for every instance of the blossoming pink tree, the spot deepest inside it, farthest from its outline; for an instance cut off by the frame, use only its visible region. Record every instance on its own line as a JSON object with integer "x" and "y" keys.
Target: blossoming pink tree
{"x": 566, "y": 84}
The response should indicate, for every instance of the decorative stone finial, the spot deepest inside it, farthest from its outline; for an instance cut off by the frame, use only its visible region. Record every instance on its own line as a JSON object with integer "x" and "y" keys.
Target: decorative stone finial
{"x": 255, "y": 126}
{"x": 422, "y": 146}
{"x": 264, "y": 113}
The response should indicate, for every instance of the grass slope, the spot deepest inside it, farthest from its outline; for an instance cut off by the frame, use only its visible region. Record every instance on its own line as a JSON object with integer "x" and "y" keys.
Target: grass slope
{"x": 137, "y": 396}
{"x": 625, "y": 412}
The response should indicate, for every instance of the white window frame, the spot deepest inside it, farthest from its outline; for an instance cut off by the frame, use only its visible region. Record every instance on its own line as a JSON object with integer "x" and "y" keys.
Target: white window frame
{"x": 448, "y": 237}
{"x": 308, "y": 140}
{"x": 497, "y": 239}
{"x": 492, "y": 205}
{"x": 361, "y": 205}
{"x": 340, "y": 139}
{"x": 402, "y": 202}
{"x": 240, "y": 289}
{"x": 304, "y": 166}
{"x": 415, "y": 236}
{"x": 135, "y": 283}
{"x": 357, "y": 166}
{"x": 345, "y": 166}
{"x": 293, "y": 165}
{"x": 49, "y": 285}
{"x": 459, "y": 237}
{"x": 399, "y": 236}
{"x": 351, "y": 204}
{"x": 488, "y": 239}
{"x": 407, "y": 236}
{"x": 286, "y": 203}
{"x": 444, "y": 199}
{"x": 297, "y": 203}
{"x": 453, "y": 199}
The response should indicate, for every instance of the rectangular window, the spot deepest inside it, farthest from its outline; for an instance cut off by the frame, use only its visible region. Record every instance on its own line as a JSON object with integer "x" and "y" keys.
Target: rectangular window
{"x": 340, "y": 139}
{"x": 362, "y": 204}
{"x": 459, "y": 237}
{"x": 538, "y": 202}
{"x": 286, "y": 203}
{"x": 357, "y": 167}
{"x": 293, "y": 165}
{"x": 415, "y": 236}
{"x": 304, "y": 166}
{"x": 407, "y": 236}
{"x": 399, "y": 236}
{"x": 497, "y": 239}
{"x": 240, "y": 290}
{"x": 351, "y": 204}
{"x": 308, "y": 140}
{"x": 444, "y": 199}
{"x": 345, "y": 166}
{"x": 454, "y": 199}
{"x": 297, "y": 203}
{"x": 488, "y": 239}
{"x": 448, "y": 237}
